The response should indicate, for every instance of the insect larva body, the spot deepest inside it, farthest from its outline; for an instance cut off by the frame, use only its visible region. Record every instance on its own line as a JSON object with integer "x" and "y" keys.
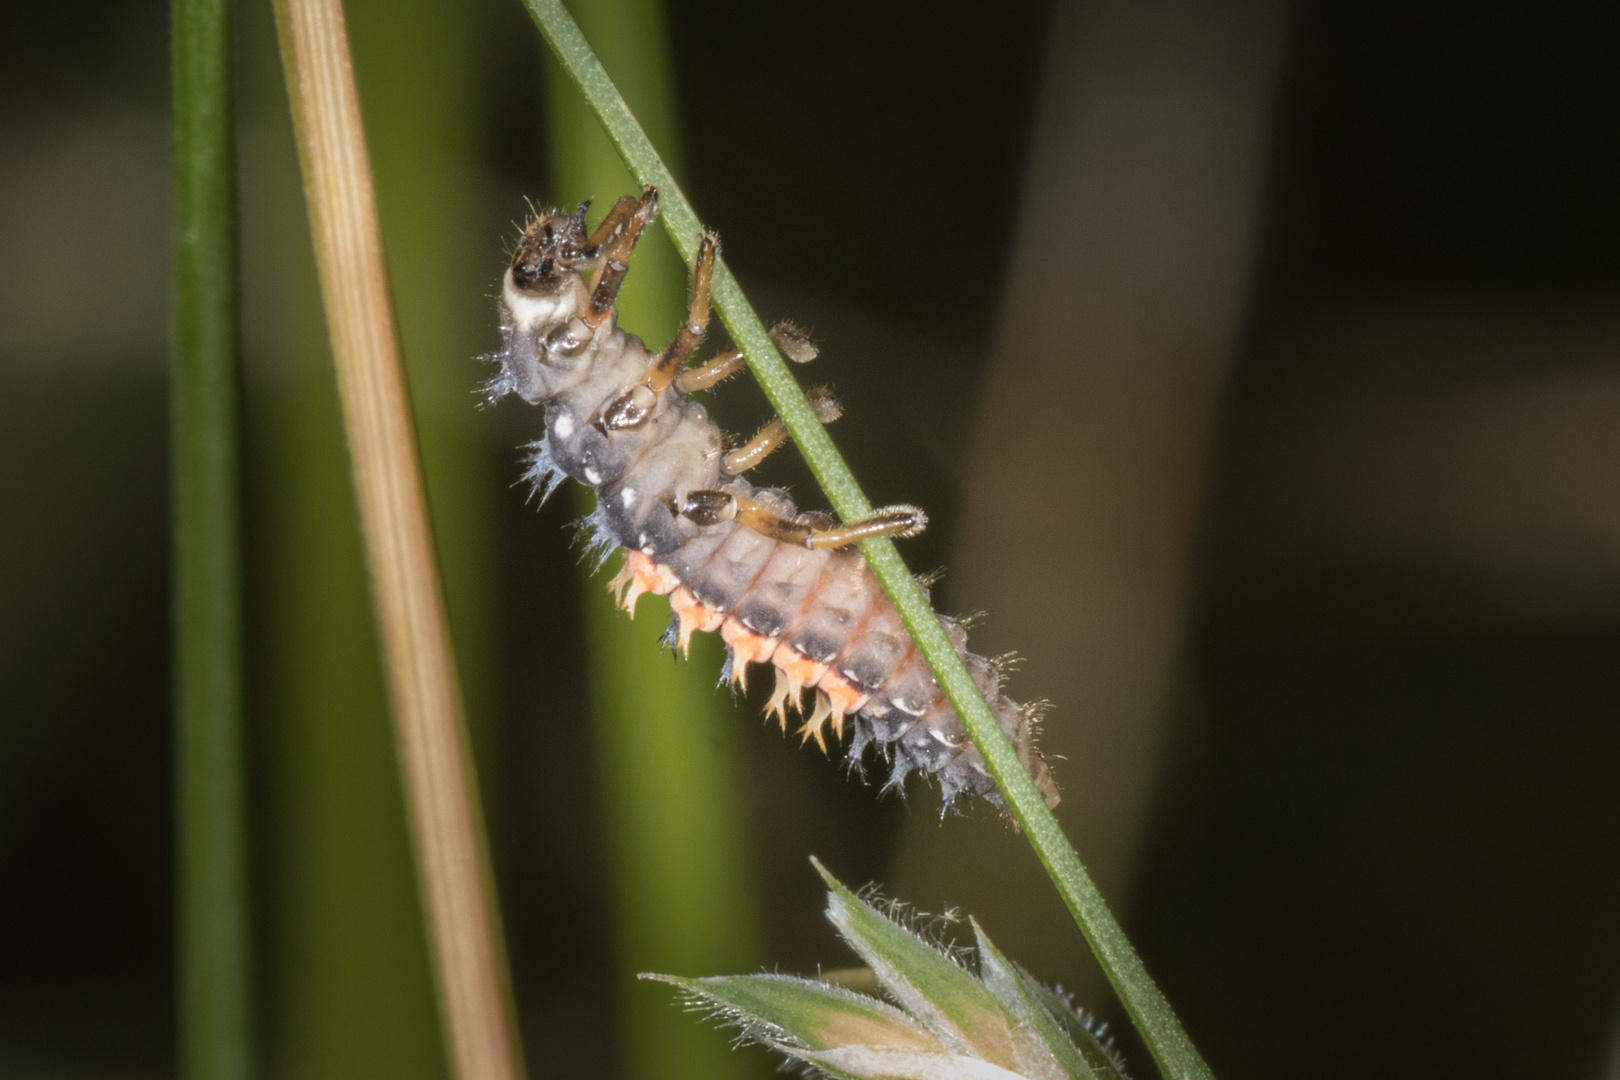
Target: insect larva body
{"x": 782, "y": 588}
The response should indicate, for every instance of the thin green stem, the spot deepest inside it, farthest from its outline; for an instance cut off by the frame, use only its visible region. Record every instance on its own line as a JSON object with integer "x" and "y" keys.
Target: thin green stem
{"x": 213, "y": 932}
{"x": 1166, "y": 1040}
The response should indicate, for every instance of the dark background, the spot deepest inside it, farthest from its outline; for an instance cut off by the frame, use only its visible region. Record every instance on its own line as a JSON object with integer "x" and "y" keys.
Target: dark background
{"x": 1387, "y": 845}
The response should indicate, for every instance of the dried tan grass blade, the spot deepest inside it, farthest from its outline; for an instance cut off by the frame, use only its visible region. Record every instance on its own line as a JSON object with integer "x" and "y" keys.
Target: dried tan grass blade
{"x": 447, "y": 826}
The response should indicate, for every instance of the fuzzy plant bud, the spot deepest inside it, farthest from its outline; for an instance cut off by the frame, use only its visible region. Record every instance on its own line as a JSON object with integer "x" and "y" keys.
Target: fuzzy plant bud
{"x": 942, "y": 1021}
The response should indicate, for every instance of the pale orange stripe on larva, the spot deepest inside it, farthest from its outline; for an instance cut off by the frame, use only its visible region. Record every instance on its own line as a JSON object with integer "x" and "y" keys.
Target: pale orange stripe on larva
{"x": 695, "y": 617}
{"x": 640, "y": 575}
{"x": 843, "y": 696}
{"x": 747, "y": 648}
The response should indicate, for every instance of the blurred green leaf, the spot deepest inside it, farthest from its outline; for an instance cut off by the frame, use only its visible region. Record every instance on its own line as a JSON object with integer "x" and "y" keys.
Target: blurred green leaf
{"x": 215, "y": 973}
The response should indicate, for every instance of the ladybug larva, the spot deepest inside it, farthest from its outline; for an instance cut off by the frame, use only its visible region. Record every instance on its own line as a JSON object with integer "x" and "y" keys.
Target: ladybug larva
{"x": 782, "y": 587}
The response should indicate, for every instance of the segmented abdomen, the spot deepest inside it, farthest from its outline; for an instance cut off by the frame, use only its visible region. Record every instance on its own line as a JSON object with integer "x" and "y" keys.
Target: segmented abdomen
{"x": 822, "y": 622}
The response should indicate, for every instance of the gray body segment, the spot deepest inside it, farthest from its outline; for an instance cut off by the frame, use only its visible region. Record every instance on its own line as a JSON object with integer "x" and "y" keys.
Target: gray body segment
{"x": 825, "y": 605}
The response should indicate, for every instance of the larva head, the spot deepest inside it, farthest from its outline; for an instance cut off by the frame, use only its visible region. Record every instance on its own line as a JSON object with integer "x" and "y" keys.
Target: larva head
{"x": 550, "y": 251}
{"x": 541, "y": 291}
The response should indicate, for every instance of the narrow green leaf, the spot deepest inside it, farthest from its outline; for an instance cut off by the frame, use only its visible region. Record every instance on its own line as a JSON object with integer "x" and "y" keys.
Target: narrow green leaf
{"x": 882, "y": 1063}
{"x": 214, "y": 975}
{"x": 1099, "y": 1055}
{"x": 949, "y": 1001}
{"x": 808, "y": 1014}
{"x": 845, "y": 1035}
{"x": 1002, "y": 979}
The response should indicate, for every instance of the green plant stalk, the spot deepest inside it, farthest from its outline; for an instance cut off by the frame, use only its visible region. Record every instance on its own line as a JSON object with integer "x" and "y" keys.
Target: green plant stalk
{"x": 1166, "y": 1040}
{"x": 667, "y": 742}
{"x": 215, "y": 1004}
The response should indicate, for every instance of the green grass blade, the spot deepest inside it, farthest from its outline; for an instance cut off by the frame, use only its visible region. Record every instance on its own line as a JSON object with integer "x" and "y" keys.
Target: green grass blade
{"x": 1004, "y": 980}
{"x": 668, "y": 743}
{"x": 809, "y": 1013}
{"x": 946, "y": 999}
{"x": 1167, "y": 1041}
{"x": 1097, "y": 1049}
{"x": 214, "y": 973}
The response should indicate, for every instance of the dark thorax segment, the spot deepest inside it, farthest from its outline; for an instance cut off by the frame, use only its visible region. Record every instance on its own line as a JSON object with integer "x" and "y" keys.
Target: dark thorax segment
{"x": 578, "y": 447}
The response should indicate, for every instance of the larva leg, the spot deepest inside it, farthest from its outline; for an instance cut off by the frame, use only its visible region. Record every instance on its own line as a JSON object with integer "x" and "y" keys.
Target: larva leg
{"x": 711, "y": 372}
{"x": 632, "y": 408}
{"x": 615, "y": 256}
{"x": 690, "y": 335}
{"x": 900, "y": 520}
{"x": 616, "y": 219}
{"x": 713, "y": 507}
{"x": 792, "y": 341}
{"x": 774, "y": 434}
{"x": 757, "y": 449}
